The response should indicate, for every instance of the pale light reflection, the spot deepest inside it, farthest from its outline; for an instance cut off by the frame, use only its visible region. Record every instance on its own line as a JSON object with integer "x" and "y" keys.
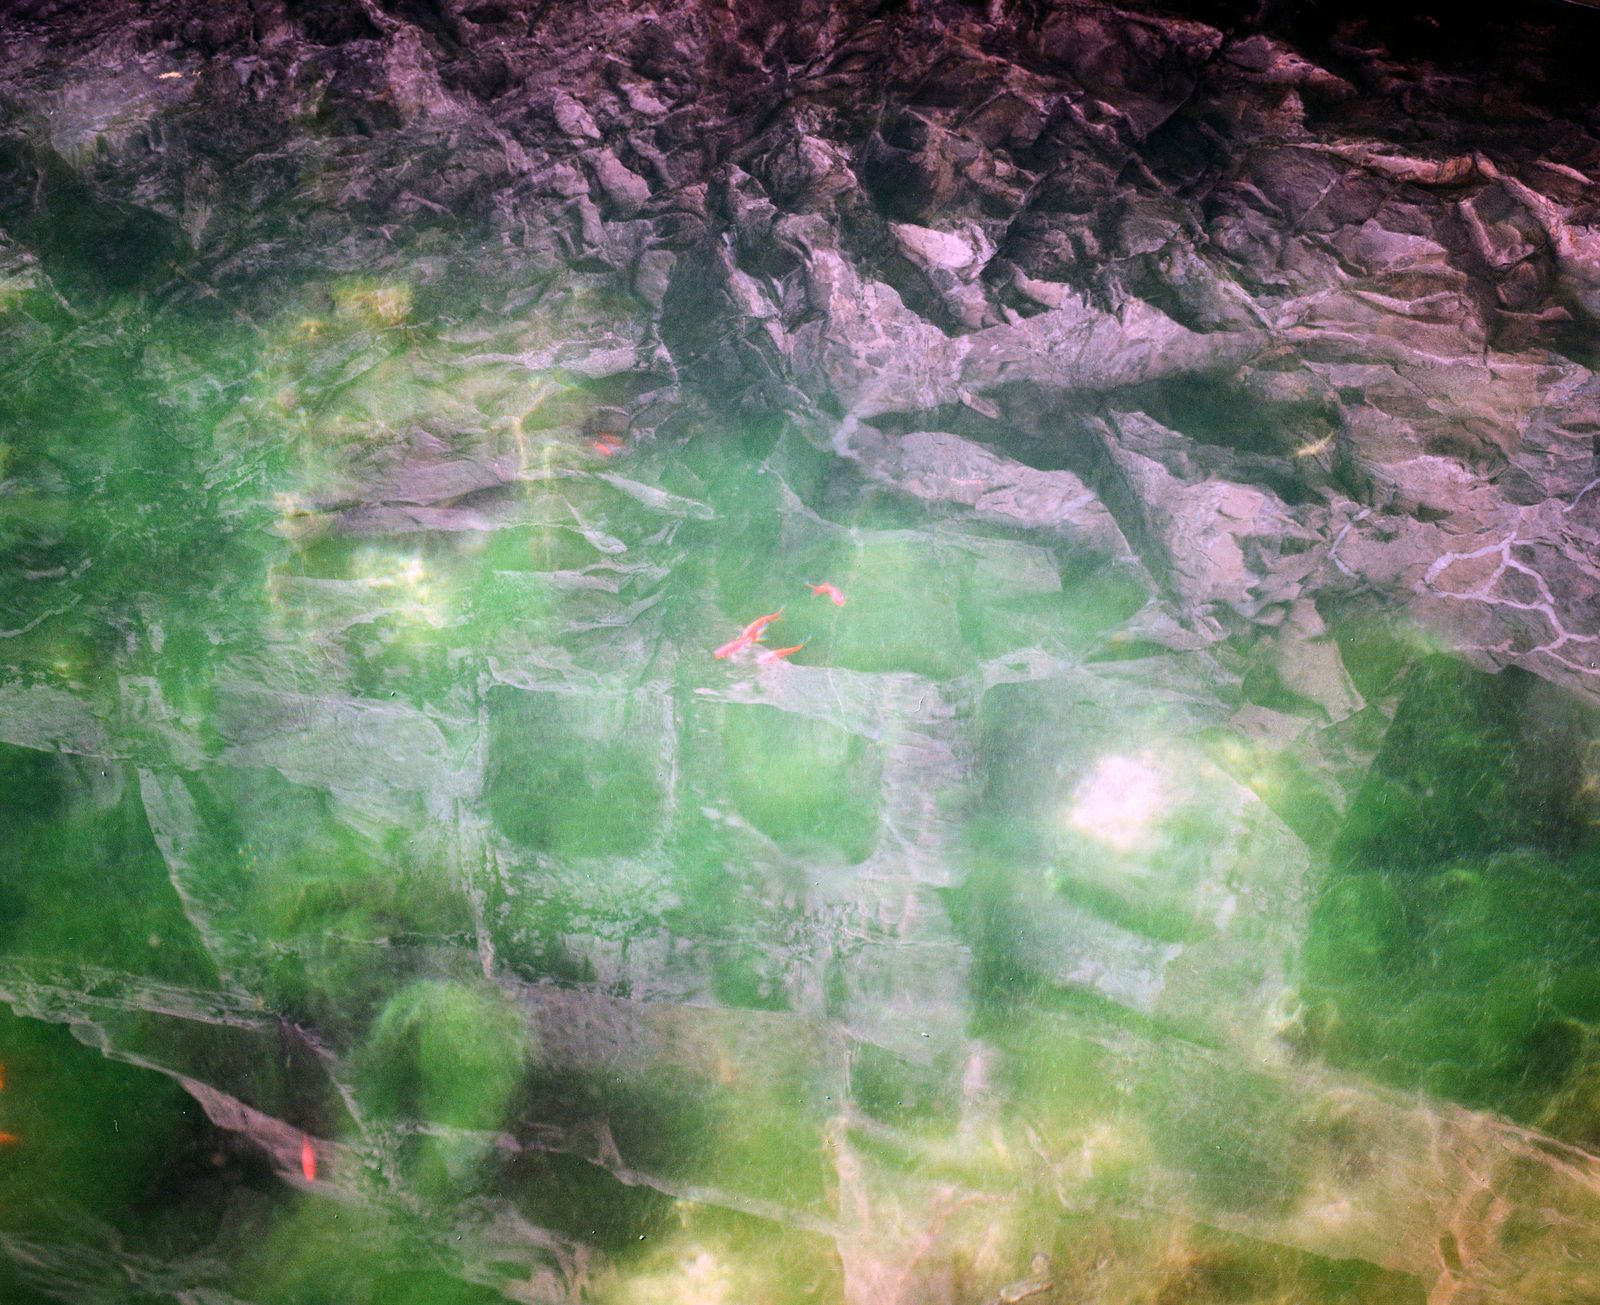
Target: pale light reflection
{"x": 408, "y": 578}
{"x": 698, "y": 1275}
{"x": 1117, "y": 802}
{"x": 297, "y": 520}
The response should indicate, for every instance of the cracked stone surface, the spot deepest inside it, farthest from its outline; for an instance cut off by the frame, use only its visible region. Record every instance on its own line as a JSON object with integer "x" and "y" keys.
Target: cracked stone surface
{"x": 1243, "y": 328}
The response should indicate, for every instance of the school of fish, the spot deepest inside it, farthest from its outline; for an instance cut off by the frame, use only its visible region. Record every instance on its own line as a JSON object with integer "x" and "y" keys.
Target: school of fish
{"x": 755, "y": 632}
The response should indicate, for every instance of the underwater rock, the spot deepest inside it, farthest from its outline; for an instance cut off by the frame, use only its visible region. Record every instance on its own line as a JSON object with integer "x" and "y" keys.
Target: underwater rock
{"x": 1119, "y": 363}
{"x": 1054, "y": 214}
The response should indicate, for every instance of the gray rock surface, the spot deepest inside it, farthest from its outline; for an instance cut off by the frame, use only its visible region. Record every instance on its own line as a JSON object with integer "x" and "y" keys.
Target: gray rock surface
{"x": 1283, "y": 318}
{"x": 1350, "y": 294}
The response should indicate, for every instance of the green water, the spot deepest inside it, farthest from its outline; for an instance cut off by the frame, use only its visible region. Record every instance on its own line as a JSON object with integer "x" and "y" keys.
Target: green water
{"x": 359, "y": 800}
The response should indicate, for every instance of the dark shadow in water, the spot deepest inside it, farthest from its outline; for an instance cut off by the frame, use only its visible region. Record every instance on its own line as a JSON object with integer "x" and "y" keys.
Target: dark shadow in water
{"x": 1455, "y": 944}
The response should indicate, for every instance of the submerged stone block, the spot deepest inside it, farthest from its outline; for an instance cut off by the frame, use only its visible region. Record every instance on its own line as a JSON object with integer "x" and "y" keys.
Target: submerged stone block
{"x": 1472, "y": 764}
{"x": 802, "y": 782}
{"x": 574, "y": 776}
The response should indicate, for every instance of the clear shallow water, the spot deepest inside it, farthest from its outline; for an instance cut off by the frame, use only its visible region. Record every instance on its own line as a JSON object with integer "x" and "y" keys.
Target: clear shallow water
{"x": 401, "y": 903}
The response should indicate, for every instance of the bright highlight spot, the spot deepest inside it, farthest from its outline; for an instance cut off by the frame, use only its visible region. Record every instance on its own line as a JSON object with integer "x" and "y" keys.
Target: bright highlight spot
{"x": 416, "y": 597}
{"x": 1117, "y": 802}
{"x": 372, "y": 304}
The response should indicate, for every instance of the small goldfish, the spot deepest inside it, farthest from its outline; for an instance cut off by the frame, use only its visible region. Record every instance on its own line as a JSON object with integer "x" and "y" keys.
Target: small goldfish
{"x": 9, "y": 1139}
{"x": 752, "y": 633}
{"x": 757, "y": 628}
{"x": 308, "y": 1158}
{"x": 732, "y": 646}
{"x": 828, "y": 591}
{"x": 775, "y": 654}
{"x": 603, "y": 449}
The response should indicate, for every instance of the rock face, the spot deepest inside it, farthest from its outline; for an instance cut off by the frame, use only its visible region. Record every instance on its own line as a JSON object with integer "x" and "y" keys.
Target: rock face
{"x": 1175, "y": 384}
{"x": 1303, "y": 310}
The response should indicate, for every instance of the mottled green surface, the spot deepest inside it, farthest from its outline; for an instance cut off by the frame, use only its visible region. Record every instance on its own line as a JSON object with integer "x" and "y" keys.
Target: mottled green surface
{"x": 980, "y": 931}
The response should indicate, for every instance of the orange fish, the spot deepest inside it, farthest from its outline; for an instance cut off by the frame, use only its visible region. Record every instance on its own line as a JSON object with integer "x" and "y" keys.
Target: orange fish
{"x": 752, "y": 633}
{"x": 308, "y": 1158}
{"x": 9, "y": 1139}
{"x": 732, "y": 646}
{"x": 827, "y": 590}
{"x": 758, "y": 627}
{"x": 774, "y": 654}
{"x": 604, "y": 450}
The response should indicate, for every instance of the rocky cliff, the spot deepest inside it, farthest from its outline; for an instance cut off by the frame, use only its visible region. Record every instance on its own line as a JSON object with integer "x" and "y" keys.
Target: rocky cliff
{"x": 1292, "y": 308}
{"x": 398, "y": 399}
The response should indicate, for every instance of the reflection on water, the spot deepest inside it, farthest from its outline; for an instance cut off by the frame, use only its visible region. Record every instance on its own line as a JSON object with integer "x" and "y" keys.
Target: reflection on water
{"x": 401, "y": 903}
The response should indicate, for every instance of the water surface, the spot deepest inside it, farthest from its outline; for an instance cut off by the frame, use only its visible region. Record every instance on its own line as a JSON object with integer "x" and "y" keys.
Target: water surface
{"x": 399, "y": 902}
